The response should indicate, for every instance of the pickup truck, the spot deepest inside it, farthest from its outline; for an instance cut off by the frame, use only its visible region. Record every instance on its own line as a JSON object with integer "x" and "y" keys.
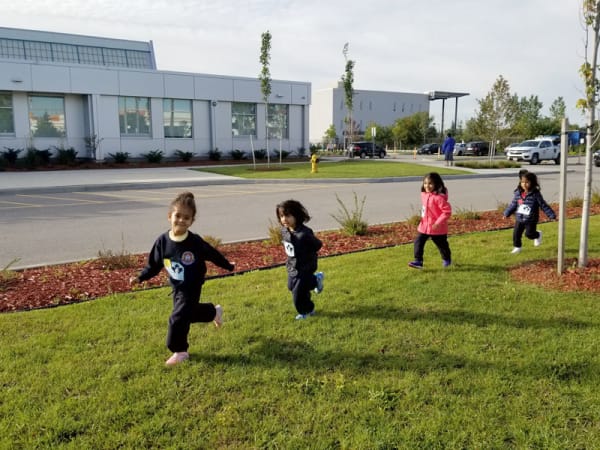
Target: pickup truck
{"x": 535, "y": 150}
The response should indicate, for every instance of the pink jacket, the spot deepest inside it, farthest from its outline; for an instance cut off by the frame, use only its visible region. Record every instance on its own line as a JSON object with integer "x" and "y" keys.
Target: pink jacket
{"x": 436, "y": 210}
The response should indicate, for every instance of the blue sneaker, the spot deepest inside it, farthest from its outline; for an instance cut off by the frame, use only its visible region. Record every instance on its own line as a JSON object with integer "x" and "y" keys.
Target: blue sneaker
{"x": 320, "y": 277}
{"x": 446, "y": 263}
{"x": 416, "y": 264}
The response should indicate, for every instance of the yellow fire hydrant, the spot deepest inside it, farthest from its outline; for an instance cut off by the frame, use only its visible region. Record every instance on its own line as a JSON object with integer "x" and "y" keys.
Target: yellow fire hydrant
{"x": 314, "y": 160}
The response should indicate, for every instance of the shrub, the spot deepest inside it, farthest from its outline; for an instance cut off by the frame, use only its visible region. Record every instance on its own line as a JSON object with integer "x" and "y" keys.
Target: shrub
{"x": 154, "y": 156}
{"x": 11, "y": 155}
{"x": 260, "y": 154}
{"x": 467, "y": 214}
{"x": 66, "y": 155}
{"x": 7, "y": 275}
{"x": 301, "y": 151}
{"x": 351, "y": 221}
{"x": 214, "y": 155}
{"x": 212, "y": 240}
{"x": 119, "y": 157}
{"x": 121, "y": 260}
{"x": 238, "y": 154}
{"x": 275, "y": 237}
{"x": 43, "y": 156}
{"x": 31, "y": 159}
{"x": 595, "y": 200}
{"x": 284, "y": 154}
{"x": 184, "y": 156}
{"x": 575, "y": 201}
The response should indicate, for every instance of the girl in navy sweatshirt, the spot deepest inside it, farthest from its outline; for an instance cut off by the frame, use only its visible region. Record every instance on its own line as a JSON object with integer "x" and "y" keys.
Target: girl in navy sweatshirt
{"x": 301, "y": 247}
{"x": 526, "y": 203}
{"x": 184, "y": 254}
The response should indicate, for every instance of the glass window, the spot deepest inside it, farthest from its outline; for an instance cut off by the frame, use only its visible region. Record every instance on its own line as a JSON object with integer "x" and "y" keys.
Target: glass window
{"x": 39, "y": 51}
{"x": 6, "y": 113}
{"x": 243, "y": 119}
{"x": 134, "y": 116}
{"x": 278, "y": 121}
{"x": 90, "y": 55}
{"x": 114, "y": 57}
{"x": 46, "y": 116}
{"x": 177, "y": 118}
{"x": 13, "y": 49}
{"x": 138, "y": 60}
{"x": 65, "y": 53}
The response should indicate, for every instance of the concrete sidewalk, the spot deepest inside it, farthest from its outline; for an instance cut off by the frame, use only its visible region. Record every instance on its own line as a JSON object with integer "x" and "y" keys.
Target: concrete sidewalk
{"x": 53, "y": 181}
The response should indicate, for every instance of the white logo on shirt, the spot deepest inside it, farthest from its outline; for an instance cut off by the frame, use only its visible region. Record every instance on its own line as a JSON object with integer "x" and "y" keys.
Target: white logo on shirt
{"x": 289, "y": 249}
{"x": 524, "y": 209}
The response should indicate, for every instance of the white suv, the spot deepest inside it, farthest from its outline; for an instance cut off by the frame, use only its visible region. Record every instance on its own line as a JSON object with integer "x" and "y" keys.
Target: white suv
{"x": 535, "y": 150}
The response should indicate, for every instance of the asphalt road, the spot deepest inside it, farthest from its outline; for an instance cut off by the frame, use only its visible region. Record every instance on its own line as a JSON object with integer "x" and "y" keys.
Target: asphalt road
{"x": 38, "y": 229}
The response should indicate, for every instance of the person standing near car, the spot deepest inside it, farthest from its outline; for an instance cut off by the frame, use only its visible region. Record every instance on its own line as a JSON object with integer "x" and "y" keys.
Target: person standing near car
{"x": 448, "y": 149}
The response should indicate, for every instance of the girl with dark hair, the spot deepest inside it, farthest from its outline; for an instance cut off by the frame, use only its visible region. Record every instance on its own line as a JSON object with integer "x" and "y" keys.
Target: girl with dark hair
{"x": 526, "y": 203}
{"x": 435, "y": 213}
{"x": 301, "y": 247}
{"x": 184, "y": 254}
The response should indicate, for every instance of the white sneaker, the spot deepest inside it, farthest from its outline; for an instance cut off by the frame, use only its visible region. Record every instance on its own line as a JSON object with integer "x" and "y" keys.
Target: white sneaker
{"x": 177, "y": 358}
{"x": 218, "y": 320}
{"x": 537, "y": 242}
{"x": 516, "y": 250}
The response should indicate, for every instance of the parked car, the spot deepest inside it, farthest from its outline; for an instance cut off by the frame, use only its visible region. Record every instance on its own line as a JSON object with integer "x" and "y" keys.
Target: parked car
{"x": 429, "y": 149}
{"x": 536, "y": 150}
{"x": 459, "y": 149}
{"x": 364, "y": 149}
{"x": 477, "y": 148}
{"x": 597, "y": 158}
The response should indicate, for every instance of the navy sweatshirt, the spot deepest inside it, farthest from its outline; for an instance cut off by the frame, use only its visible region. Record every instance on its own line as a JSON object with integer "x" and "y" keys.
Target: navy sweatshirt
{"x": 301, "y": 247}
{"x": 528, "y": 208}
{"x": 184, "y": 261}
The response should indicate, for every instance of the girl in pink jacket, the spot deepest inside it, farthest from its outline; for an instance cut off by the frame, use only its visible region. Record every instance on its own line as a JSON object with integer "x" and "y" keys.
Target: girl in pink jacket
{"x": 435, "y": 213}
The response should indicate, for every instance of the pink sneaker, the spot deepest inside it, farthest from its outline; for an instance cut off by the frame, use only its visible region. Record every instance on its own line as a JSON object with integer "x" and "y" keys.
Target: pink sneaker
{"x": 218, "y": 320}
{"x": 177, "y": 357}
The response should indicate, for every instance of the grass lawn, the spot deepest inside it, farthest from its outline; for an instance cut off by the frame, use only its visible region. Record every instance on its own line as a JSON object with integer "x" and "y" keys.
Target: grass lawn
{"x": 355, "y": 168}
{"x": 395, "y": 358}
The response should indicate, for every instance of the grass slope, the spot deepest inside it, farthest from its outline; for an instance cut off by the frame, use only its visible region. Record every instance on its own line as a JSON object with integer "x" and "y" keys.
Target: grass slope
{"x": 395, "y": 358}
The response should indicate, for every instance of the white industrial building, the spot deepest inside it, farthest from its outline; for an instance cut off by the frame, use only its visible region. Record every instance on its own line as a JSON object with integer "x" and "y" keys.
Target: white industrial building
{"x": 383, "y": 108}
{"x": 61, "y": 90}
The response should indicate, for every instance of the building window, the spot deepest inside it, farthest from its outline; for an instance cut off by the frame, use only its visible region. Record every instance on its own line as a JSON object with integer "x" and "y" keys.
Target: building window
{"x": 134, "y": 116}
{"x": 65, "y": 53}
{"x": 138, "y": 60}
{"x": 38, "y": 51}
{"x": 177, "y": 118}
{"x": 243, "y": 119}
{"x": 90, "y": 55}
{"x": 12, "y": 49}
{"x": 47, "y": 116}
{"x": 278, "y": 121}
{"x": 114, "y": 57}
{"x": 6, "y": 114}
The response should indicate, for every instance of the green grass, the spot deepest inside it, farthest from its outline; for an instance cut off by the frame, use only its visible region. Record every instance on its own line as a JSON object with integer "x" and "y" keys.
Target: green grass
{"x": 395, "y": 358}
{"x": 355, "y": 168}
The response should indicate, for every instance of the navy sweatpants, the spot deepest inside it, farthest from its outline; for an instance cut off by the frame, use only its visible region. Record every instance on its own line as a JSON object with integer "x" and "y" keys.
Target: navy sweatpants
{"x": 187, "y": 309}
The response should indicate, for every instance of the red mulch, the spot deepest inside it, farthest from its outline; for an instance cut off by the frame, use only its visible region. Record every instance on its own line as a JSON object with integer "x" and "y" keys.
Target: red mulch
{"x": 70, "y": 283}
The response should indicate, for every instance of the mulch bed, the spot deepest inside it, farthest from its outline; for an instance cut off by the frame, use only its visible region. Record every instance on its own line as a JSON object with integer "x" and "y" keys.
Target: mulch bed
{"x": 69, "y": 283}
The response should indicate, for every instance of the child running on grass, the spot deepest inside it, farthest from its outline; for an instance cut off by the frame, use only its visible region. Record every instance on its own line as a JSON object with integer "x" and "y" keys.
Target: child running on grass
{"x": 526, "y": 203}
{"x": 301, "y": 247}
{"x": 184, "y": 254}
{"x": 435, "y": 213}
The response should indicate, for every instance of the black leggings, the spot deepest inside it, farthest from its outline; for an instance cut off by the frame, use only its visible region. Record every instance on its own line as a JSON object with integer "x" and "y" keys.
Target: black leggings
{"x": 441, "y": 242}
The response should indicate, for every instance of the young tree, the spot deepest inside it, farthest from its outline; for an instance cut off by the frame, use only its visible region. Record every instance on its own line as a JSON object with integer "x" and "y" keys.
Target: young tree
{"x": 558, "y": 109}
{"x": 588, "y": 71}
{"x": 348, "y": 83}
{"x": 496, "y": 113}
{"x": 330, "y": 135}
{"x": 265, "y": 82}
{"x": 527, "y": 117}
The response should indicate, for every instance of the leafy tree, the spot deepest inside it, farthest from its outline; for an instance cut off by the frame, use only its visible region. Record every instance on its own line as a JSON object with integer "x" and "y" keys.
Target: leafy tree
{"x": 265, "y": 81}
{"x": 558, "y": 109}
{"x": 588, "y": 71}
{"x": 330, "y": 135}
{"x": 496, "y": 114}
{"x": 348, "y": 83}
{"x": 527, "y": 117}
{"x": 412, "y": 130}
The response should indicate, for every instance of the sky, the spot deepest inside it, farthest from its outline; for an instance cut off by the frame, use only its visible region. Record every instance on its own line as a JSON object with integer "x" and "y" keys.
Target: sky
{"x": 397, "y": 45}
